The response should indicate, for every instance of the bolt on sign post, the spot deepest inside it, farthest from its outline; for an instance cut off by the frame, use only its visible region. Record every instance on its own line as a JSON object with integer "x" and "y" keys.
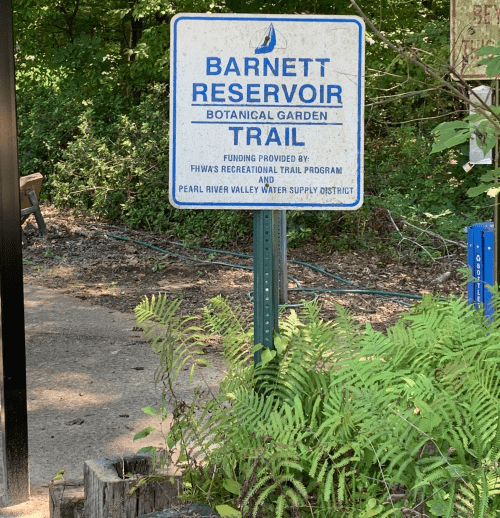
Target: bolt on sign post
{"x": 475, "y": 24}
{"x": 266, "y": 114}
{"x": 14, "y": 426}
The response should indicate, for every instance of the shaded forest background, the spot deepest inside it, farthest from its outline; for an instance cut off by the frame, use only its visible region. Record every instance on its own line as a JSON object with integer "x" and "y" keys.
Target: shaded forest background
{"x": 93, "y": 92}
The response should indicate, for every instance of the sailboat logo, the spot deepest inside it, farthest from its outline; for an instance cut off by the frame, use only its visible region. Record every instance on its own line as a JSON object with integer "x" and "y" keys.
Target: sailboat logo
{"x": 266, "y": 40}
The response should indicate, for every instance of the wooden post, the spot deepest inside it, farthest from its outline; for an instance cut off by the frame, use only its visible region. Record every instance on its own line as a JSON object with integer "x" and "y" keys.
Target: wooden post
{"x": 107, "y": 488}
{"x": 66, "y": 499}
{"x": 13, "y": 347}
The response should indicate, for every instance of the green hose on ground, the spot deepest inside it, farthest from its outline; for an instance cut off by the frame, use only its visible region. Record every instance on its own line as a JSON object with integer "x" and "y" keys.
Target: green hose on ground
{"x": 357, "y": 290}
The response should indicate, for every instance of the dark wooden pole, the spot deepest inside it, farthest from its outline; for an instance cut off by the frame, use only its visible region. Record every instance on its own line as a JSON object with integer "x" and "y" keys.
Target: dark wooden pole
{"x": 13, "y": 347}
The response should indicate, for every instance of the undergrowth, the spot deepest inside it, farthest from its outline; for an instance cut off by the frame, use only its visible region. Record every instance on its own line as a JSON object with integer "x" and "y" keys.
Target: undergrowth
{"x": 339, "y": 420}
{"x": 108, "y": 155}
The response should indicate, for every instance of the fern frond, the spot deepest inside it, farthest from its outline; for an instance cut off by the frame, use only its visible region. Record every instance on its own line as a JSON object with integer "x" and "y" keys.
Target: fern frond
{"x": 495, "y": 444}
{"x": 328, "y": 489}
{"x": 280, "y": 506}
{"x": 261, "y": 498}
{"x": 221, "y": 318}
{"x": 348, "y": 332}
{"x": 341, "y": 412}
{"x": 293, "y": 496}
{"x": 481, "y": 497}
{"x": 263, "y": 480}
{"x": 175, "y": 342}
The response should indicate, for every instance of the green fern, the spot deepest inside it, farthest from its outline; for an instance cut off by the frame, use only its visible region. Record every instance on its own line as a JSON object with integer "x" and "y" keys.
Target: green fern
{"x": 175, "y": 342}
{"x": 342, "y": 413}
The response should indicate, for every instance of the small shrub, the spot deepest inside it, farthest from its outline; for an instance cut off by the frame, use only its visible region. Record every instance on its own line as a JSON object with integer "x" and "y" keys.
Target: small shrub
{"x": 120, "y": 172}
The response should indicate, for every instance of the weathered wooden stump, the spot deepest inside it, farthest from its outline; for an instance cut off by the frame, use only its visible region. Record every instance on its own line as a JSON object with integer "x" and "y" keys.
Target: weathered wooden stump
{"x": 107, "y": 488}
{"x": 66, "y": 499}
{"x": 185, "y": 511}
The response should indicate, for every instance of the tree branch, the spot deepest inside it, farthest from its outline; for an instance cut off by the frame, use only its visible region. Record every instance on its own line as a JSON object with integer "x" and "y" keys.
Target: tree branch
{"x": 396, "y": 97}
{"x": 486, "y": 110}
{"x": 437, "y": 236}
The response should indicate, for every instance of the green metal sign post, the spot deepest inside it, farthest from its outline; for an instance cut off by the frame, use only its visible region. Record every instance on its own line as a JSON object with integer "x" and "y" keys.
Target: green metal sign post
{"x": 266, "y": 117}
{"x": 265, "y": 275}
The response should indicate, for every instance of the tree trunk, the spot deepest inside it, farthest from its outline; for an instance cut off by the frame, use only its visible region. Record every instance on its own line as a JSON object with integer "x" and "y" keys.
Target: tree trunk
{"x": 107, "y": 490}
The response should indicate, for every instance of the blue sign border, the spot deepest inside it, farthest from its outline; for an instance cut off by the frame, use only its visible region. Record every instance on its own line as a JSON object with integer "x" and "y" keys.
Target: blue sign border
{"x": 173, "y": 122}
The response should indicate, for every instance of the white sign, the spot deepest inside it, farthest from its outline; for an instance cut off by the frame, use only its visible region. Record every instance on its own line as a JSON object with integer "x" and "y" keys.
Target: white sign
{"x": 266, "y": 112}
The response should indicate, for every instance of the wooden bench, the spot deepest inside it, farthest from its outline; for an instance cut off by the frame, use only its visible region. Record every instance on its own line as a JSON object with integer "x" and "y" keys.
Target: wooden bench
{"x": 30, "y": 191}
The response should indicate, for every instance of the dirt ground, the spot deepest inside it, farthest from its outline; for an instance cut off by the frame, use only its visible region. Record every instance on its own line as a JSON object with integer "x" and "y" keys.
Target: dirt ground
{"x": 85, "y": 399}
{"x": 94, "y": 261}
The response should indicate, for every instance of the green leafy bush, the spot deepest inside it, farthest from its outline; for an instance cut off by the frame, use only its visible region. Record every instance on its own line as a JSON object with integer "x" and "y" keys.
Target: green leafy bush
{"x": 218, "y": 227}
{"x": 47, "y": 123}
{"x": 341, "y": 420}
{"x": 119, "y": 169}
{"x": 401, "y": 176}
{"x": 405, "y": 178}
{"x": 110, "y": 157}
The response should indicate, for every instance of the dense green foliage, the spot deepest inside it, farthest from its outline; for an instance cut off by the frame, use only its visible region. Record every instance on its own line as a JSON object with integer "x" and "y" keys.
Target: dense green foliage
{"x": 483, "y": 125}
{"x": 92, "y": 82}
{"x": 339, "y": 420}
